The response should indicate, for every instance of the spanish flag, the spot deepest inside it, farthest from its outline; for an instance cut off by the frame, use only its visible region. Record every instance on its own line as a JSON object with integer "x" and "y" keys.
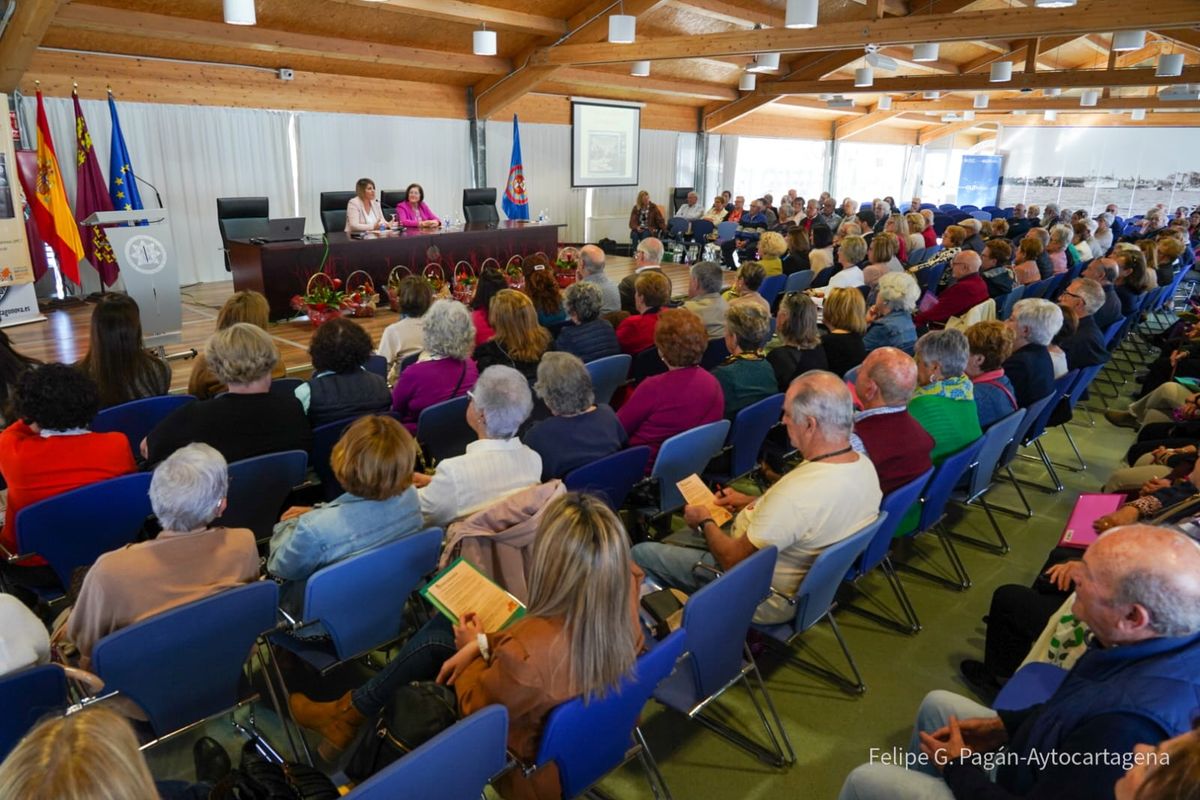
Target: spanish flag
{"x": 55, "y": 221}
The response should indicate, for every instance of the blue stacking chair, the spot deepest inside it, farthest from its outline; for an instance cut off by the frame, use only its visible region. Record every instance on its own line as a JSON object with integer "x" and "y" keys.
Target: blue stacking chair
{"x": 677, "y": 227}
{"x": 607, "y": 374}
{"x": 185, "y": 665}
{"x": 324, "y": 438}
{"x": 814, "y": 600}
{"x": 612, "y": 477}
{"x": 1032, "y": 412}
{"x": 916, "y": 256}
{"x": 995, "y": 211}
{"x": 285, "y": 386}
{"x": 929, "y": 278}
{"x": 1031, "y": 684}
{"x": 586, "y": 741}
{"x": 982, "y": 216}
{"x": 941, "y": 222}
{"x": 73, "y": 529}
{"x": 1040, "y": 288}
{"x": 726, "y": 231}
{"x": 1033, "y": 436}
{"x": 454, "y": 765}
{"x": 771, "y": 287}
{"x": 958, "y": 216}
{"x": 682, "y": 455}
{"x": 980, "y": 479}
{"x": 1084, "y": 380}
{"x": 946, "y": 476}
{"x": 799, "y": 281}
{"x": 1008, "y": 301}
{"x": 747, "y": 434}
{"x": 878, "y": 553}
{"x": 930, "y": 206}
{"x": 716, "y": 352}
{"x": 27, "y": 696}
{"x": 701, "y": 228}
{"x": 258, "y": 488}
{"x": 442, "y": 429}
{"x": 968, "y": 207}
{"x": 377, "y": 364}
{"x": 360, "y": 600}
{"x": 716, "y": 619}
{"x": 137, "y": 418}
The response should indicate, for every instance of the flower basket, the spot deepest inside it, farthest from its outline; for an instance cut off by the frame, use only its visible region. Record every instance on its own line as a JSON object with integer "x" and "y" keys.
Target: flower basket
{"x": 393, "y": 286}
{"x": 514, "y": 273}
{"x": 361, "y": 297}
{"x": 565, "y": 265}
{"x": 323, "y": 299}
{"x": 465, "y": 280}
{"x": 437, "y": 281}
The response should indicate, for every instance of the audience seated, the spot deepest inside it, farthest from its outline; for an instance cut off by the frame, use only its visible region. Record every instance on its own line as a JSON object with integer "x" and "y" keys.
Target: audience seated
{"x": 591, "y": 270}
{"x": 12, "y": 366}
{"x": 636, "y": 332}
{"x": 579, "y": 636}
{"x": 1134, "y": 278}
{"x": 580, "y": 430}
{"x": 1085, "y": 347}
{"x": 519, "y": 341}
{"x": 991, "y": 344}
{"x": 547, "y": 299}
{"x": 890, "y": 322}
{"x": 997, "y": 269}
{"x": 895, "y": 442}
{"x": 117, "y": 359}
{"x": 916, "y": 231}
{"x": 373, "y": 461}
{"x": 48, "y": 450}
{"x": 798, "y": 347}
{"x": 845, "y": 319}
{"x": 796, "y": 259}
{"x": 444, "y": 370}
{"x": 833, "y": 493}
{"x": 1045, "y": 264}
{"x": 24, "y": 641}
{"x": 245, "y": 306}
{"x": 820, "y": 256}
{"x": 974, "y": 241}
{"x": 187, "y": 561}
{"x": 928, "y": 232}
{"x": 967, "y": 291}
{"x": 745, "y": 376}
{"x": 1026, "y": 268}
{"x": 341, "y": 386}
{"x": 491, "y": 282}
{"x": 1029, "y": 369}
{"x": 406, "y": 338}
{"x": 704, "y": 296}
{"x": 716, "y": 212}
{"x": 493, "y": 466}
{"x": 944, "y": 401}
{"x": 684, "y": 397}
{"x": 952, "y": 239}
{"x": 646, "y": 258}
{"x": 771, "y": 248}
{"x": 246, "y": 421}
{"x": 884, "y": 252}
{"x": 750, "y": 277}
{"x": 1169, "y": 770}
{"x": 897, "y": 228}
{"x": 849, "y": 275}
{"x": 645, "y": 220}
{"x": 1079, "y": 240}
{"x": 587, "y": 335}
{"x": 1060, "y": 241}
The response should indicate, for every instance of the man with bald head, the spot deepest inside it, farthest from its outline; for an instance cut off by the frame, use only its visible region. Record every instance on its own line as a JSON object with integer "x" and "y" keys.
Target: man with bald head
{"x": 591, "y": 270}
{"x": 833, "y": 493}
{"x": 968, "y": 290}
{"x": 1104, "y": 271}
{"x": 1137, "y": 590}
{"x": 894, "y": 441}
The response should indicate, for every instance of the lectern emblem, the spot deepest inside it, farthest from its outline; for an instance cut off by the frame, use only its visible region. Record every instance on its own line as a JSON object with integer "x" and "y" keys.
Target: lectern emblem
{"x": 146, "y": 254}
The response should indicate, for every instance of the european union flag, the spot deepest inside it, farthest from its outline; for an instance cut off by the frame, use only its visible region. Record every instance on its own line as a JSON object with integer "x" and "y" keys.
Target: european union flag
{"x": 122, "y": 187}
{"x": 516, "y": 202}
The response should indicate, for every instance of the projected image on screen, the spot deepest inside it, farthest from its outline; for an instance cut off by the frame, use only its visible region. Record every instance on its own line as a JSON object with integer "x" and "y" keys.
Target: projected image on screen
{"x": 604, "y": 145}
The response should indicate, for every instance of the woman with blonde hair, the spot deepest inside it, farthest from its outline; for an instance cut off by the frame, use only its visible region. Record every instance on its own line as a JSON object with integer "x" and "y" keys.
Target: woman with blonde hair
{"x": 519, "y": 341}
{"x": 645, "y": 219}
{"x": 845, "y": 319}
{"x": 897, "y": 225}
{"x": 771, "y": 247}
{"x": 245, "y": 306}
{"x": 89, "y": 755}
{"x": 885, "y": 251}
{"x": 916, "y": 226}
{"x": 579, "y": 637}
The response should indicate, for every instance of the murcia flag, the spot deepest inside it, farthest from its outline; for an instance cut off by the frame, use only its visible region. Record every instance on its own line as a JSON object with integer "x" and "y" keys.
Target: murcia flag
{"x": 516, "y": 202}
{"x": 91, "y": 195}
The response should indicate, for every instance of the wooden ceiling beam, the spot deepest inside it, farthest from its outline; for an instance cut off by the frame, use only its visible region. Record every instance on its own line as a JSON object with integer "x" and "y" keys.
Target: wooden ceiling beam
{"x": 904, "y": 56}
{"x": 1189, "y": 39}
{"x": 927, "y": 135}
{"x": 1042, "y": 104}
{"x": 1005, "y": 23}
{"x": 898, "y": 8}
{"x": 470, "y": 14}
{"x": 25, "y": 31}
{"x": 1152, "y": 120}
{"x": 846, "y": 128}
{"x": 122, "y": 24}
{"x": 731, "y": 13}
{"x": 681, "y": 88}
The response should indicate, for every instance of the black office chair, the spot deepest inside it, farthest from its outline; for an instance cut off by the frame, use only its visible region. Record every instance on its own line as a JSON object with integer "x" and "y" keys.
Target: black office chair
{"x": 389, "y": 199}
{"x": 679, "y": 197}
{"x": 241, "y": 218}
{"x": 479, "y": 205}
{"x": 333, "y": 210}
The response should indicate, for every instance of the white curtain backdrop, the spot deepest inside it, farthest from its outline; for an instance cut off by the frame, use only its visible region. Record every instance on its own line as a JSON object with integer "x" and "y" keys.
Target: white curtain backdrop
{"x": 193, "y": 154}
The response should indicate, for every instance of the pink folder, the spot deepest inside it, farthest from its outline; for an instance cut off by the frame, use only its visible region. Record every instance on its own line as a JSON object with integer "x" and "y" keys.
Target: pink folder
{"x": 1080, "y": 531}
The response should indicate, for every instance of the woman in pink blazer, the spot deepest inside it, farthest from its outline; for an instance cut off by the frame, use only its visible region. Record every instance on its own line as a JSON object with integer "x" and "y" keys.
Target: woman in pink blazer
{"x": 363, "y": 213}
{"x": 414, "y": 213}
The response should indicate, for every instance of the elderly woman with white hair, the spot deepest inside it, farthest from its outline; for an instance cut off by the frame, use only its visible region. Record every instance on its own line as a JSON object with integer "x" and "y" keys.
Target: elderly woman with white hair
{"x": 580, "y": 430}
{"x": 495, "y": 465}
{"x": 187, "y": 561}
{"x": 586, "y": 335}
{"x": 247, "y": 420}
{"x": 444, "y": 370}
{"x": 1030, "y": 369}
{"x": 1060, "y": 241}
{"x": 890, "y": 322}
{"x": 944, "y": 401}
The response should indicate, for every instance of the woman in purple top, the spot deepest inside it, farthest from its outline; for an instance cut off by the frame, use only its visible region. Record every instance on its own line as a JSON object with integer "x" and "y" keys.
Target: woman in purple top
{"x": 684, "y": 397}
{"x": 444, "y": 369}
{"x": 413, "y": 213}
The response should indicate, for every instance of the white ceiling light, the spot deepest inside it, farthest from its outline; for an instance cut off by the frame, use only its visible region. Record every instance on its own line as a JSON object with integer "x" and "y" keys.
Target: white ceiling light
{"x": 747, "y": 82}
{"x": 863, "y": 77}
{"x": 621, "y": 29}
{"x": 981, "y": 100}
{"x": 969, "y": 116}
{"x": 925, "y": 52}
{"x": 240, "y": 12}
{"x": 485, "y": 42}
{"x": 1124, "y": 41}
{"x": 1170, "y": 65}
{"x": 885, "y": 102}
{"x": 1053, "y": 3}
{"x": 933, "y": 94}
{"x": 1001, "y": 72}
{"x": 764, "y": 62}
{"x": 950, "y": 117}
{"x": 640, "y": 69}
{"x": 1020, "y": 112}
{"x": 840, "y": 102}
{"x": 1138, "y": 114}
{"x": 1089, "y": 97}
{"x": 1050, "y": 115}
{"x": 1185, "y": 92}
{"x": 801, "y": 14}
{"x": 825, "y": 98}
{"x": 876, "y": 59}
{"x": 1053, "y": 91}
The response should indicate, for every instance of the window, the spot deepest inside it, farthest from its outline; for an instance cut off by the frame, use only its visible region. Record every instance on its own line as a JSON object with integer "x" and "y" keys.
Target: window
{"x": 772, "y": 166}
{"x": 866, "y": 171}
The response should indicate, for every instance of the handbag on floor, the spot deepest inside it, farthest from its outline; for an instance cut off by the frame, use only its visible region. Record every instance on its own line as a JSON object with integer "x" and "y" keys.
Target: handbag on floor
{"x": 416, "y": 713}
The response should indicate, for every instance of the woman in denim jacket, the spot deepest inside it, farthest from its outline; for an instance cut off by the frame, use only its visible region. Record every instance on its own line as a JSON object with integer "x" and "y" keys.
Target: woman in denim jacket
{"x": 373, "y": 461}
{"x": 891, "y": 322}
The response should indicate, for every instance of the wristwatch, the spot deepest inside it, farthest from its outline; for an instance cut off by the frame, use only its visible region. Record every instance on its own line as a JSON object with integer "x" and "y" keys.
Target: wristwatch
{"x": 485, "y": 651}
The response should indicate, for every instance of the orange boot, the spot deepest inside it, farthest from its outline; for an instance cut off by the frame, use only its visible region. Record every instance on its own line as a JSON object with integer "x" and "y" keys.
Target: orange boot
{"x": 337, "y": 722}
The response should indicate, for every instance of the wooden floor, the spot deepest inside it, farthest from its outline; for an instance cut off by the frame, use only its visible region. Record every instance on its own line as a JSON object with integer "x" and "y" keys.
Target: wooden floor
{"x": 64, "y": 335}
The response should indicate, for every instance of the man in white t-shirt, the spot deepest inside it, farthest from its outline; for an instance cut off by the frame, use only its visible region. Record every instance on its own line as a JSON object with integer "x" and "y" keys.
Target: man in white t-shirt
{"x": 831, "y": 495}
{"x": 693, "y": 209}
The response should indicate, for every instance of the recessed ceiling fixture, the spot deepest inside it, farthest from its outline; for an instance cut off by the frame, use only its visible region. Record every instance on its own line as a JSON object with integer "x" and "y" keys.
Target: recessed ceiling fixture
{"x": 1001, "y": 72}
{"x": 885, "y": 102}
{"x": 863, "y": 77}
{"x": 1050, "y": 115}
{"x": 640, "y": 69}
{"x": 240, "y": 12}
{"x": 801, "y": 14}
{"x": 1053, "y": 91}
{"x": 1089, "y": 97}
{"x": 925, "y": 52}
{"x": 1185, "y": 92}
{"x": 621, "y": 27}
{"x": 1053, "y": 3}
{"x": 484, "y": 42}
{"x": 1138, "y": 114}
{"x": 1170, "y": 65}
{"x": 747, "y": 82}
{"x": 932, "y": 94}
{"x": 1124, "y": 41}
{"x": 981, "y": 100}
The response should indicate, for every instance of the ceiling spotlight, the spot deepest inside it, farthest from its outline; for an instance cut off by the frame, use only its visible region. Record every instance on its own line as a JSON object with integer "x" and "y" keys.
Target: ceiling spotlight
{"x": 747, "y": 82}
{"x": 1053, "y": 3}
{"x": 764, "y": 62}
{"x": 1053, "y": 91}
{"x": 1186, "y": 92}
{"x": 640, "y": 69}
{"x": 876, "y": 59}
{"x": 1089, "y": 97}
{"x": 1001, "y": 72}
{"x": 885, "y": 102}
{"x": 801, "y": 14}
{"x": 1124, "y": 41}
{"x": 1138, "y": 114}
{"x": 1049, "y": 115}
{"x": 933, "y": 94}
{"x": 981, "y": 100}
{"x": 863, "y": 77}
{"x": 485, "y": 42}
{"x": 240, "y": 12}
{"x": 840, "y": 102}
{"x": 621, "y": 28}
{"x": 925, "y": 52}
{"x": 1170, "y": 65}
